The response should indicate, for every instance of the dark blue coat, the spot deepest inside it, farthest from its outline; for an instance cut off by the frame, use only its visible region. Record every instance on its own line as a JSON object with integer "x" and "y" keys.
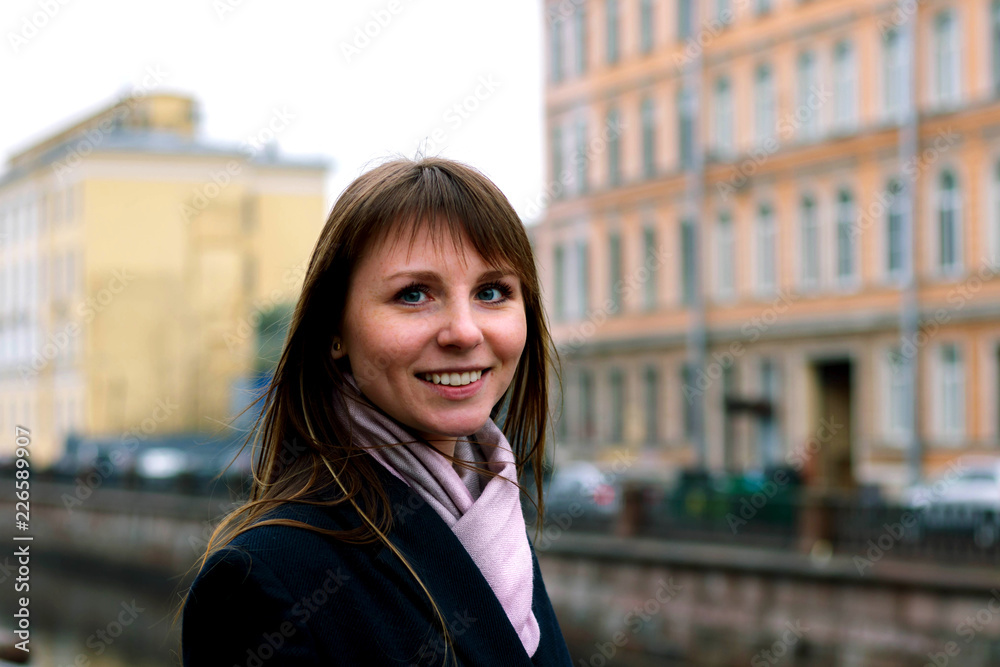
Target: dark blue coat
{"x": 279, "y": 595}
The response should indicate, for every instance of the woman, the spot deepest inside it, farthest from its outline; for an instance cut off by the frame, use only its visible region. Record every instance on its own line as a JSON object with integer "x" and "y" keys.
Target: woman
{"x": 384, "y": 525}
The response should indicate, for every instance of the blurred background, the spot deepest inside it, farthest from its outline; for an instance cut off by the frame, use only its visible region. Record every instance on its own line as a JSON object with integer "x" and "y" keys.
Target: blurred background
{"x": 769, "y": 239}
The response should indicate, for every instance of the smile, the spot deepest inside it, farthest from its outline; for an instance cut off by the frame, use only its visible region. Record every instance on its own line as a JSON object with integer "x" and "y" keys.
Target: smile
{"x": 453, "y": 379}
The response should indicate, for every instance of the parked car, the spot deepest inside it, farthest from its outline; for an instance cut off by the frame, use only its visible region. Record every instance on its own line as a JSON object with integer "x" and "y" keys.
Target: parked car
{"x": 578, "y": 493}
{"x": 966, "y": 497}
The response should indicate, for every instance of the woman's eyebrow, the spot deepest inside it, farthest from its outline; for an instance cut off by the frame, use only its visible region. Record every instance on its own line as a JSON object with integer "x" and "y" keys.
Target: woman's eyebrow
{"x": 433, "y": 276}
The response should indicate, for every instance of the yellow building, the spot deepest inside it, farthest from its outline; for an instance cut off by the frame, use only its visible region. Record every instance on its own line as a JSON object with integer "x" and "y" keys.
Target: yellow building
{"x": 135, "y": 261}
{"x": 727, "y": 247}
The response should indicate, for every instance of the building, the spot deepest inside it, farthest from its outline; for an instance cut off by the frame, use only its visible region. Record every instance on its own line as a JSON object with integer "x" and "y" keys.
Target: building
{"x": 135, "y": 261}
{"x": 773, "y": 233}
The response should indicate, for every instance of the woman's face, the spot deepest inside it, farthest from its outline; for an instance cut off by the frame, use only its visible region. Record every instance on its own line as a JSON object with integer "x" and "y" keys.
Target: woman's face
{"x": 422, "y": 323}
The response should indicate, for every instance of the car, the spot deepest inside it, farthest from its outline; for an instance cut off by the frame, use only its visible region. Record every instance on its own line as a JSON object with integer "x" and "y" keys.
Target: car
{"x": 965, "y": 497}
{"x": 579, "y": 495}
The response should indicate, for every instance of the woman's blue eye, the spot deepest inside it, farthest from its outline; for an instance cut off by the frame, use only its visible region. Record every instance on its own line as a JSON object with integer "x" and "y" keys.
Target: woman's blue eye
{"x": 412, "y": 293}
{"x": 494, "y": 290}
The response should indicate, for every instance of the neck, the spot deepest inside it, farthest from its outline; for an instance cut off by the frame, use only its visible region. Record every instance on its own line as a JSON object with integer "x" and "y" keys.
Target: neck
{"x": 446, "y": 446}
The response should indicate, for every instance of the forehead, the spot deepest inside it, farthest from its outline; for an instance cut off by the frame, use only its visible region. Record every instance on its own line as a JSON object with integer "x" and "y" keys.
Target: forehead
{"x": 420, "y": 244}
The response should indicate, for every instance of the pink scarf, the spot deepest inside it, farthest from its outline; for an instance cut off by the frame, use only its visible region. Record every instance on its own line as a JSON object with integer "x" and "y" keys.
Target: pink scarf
{"x": 484, "y": 513}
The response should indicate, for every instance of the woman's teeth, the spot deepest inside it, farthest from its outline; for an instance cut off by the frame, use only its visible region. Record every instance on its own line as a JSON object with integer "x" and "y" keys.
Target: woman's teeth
{"x": 453, "y": 379}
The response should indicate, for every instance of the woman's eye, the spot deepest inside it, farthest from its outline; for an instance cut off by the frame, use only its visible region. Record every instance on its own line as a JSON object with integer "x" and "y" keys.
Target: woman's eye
{"x": 412, "y": 296}
{"x": 491, "y": 294}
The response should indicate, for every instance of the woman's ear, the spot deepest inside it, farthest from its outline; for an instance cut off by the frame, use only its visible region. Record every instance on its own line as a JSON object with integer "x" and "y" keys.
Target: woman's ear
{"x": 337, "y": 349}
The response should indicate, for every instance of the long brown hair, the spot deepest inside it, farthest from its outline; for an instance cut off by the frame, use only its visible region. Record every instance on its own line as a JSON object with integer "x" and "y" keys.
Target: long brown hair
{"x": 302, "y": 455}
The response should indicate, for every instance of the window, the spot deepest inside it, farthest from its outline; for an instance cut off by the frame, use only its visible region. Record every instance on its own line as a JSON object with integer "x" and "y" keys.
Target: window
{"x": 646, "y": 25}
{"x": 580, "y": 38}
{"x": 948, "y": 221}
{"x": 993, "y": 235}
{"x": 249, "y": 274}
{"x": 764, "y": 105}
{"x": 845, "y": 236}
{"x": 724, "y": 11}
{"x": 684, "y": 20}
{"x": 586, "y": 405}
{"x": 556, "y": 151}
{"x": 615, "y": 271}
{"x": 616, "y": 382}
{"x": 556, "y": 52}
{"x": 895, "y": 76}
{"x": 581, "y": 155}
{"x": 648, "y": 112}
{"x": 723, "y": 117}
{"x": 951, "y": 388}
{"x": 689, "y": 262}
{"x": 250, "y": 216}
{"x": 559, "y": 280}
{"x": 766, "y": 269}
{"x": 648, "y": 252}
{"x": 690, "y": 392}
{"x": 582, "y": 279}
{"x": 725, "y": 257}
{"x": 807, "y": 87}
{"x": 995, "y": 45}
{"x": 685, "y": 128}
{"x": 614, "y": 150}
{"x": 844, "y": 79}
{"x": 769, "y": 444}
{"x": 896, "y": 409}
{"x": 810, "y": 268}
{"x": 71, "y": 269}
{"x": 894, "y": 230}
{"x": 651, "y": 379}
{"x": 947, "y": 68}
{"x": 611, "y": 14}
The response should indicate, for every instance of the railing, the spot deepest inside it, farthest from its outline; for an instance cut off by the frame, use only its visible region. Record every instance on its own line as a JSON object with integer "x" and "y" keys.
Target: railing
{"x": 841, "y": 524}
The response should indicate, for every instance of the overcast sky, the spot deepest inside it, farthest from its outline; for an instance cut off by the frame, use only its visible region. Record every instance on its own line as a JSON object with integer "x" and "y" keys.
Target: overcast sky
{"x": 353, "y": 98}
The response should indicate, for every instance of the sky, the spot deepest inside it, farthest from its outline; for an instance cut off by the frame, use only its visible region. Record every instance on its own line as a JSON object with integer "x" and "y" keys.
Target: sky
{"x": 358, "y": 81}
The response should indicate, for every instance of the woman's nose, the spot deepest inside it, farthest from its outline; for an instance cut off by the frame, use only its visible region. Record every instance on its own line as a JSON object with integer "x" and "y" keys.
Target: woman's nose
{"x": 460, "y": 328}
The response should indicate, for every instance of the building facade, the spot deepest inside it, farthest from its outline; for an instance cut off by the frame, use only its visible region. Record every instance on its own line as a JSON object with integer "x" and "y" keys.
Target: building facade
{"x": 135, "y": 261}
{"x": 773, "y": 233}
